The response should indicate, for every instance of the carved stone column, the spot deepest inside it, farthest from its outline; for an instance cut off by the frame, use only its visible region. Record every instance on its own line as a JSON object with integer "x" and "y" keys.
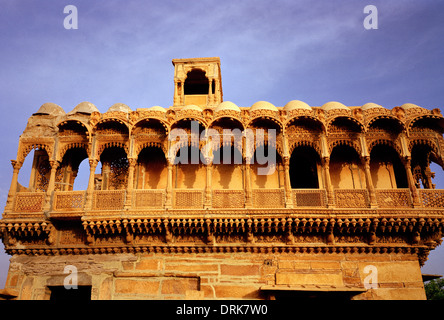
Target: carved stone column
{"x": 169, "y": 187}
{"x": 129, "y": 189}
{"x": 13, "y": 188}
{"x": 411, "y": 181}
{"x": 54, "y": 165}
{"x": 328, "y": 185}
{"x": 248, "y": 191}
{"x": 287, "y": 183}
{"x": 368, "y": 179}
{"x": 208, "y": 189}
{"x": 89, "y": 192}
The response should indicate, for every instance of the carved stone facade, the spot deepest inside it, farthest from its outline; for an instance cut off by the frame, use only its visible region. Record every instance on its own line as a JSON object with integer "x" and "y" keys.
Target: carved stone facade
{"x": 349, "y": 187}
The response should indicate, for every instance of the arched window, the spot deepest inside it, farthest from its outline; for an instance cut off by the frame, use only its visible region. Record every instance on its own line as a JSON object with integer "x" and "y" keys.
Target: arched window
{"x": 304, "y": 164}
{"x": 151, "y": 170}
{"x": 196, "y": 82}
{"x": 386, "y": 168}
{"x": 114, "y": 168}
{"x": 345, "y": 168}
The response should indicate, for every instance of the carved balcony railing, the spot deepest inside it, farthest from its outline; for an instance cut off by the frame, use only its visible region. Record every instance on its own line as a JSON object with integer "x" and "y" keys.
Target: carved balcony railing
{"x": 228, "y": 198}
{"x": 351, "y": 198}
{"x": 29, "y": 201}
{"x": 432, "y": 198}
{"x": 69, "y": 200}
{"x": 188, "y": 198}
{"x": 268, "y": 198}
{"x": 148, "y": 199}
{"x": 108, "y": 199}
{"x": 309, "y": 198}
{"x": 393, "y": 198}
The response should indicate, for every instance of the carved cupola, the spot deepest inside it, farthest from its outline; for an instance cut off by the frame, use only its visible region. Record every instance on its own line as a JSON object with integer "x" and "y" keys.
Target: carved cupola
{"x": 197, "y": 81}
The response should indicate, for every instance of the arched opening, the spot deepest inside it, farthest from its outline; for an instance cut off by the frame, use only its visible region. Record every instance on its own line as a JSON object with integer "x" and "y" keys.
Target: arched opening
{"x": 189, "y": 170}
{"x": 68, "y": 170}
{"x": 304, "y": 168}
{"x": 345, "y": 168}
{"x": 196, "y": 83}
{"x": 422, "y": 159}
{"x": 344, "y": 124}
{"x": 387, "y": 170}
{"x": 267, "y": 170}
{"x": 227, "y": 173}
{"x": 114, "y": 171}
{"x": 112, "y": 127}
{"x": 386, "y": 126}
{"x": 151, "y": 169}
{"x": 40, "y": 171}
{"x": 24, "y": 177}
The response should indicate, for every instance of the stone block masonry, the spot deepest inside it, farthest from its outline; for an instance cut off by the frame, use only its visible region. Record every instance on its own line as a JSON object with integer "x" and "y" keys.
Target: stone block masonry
{"x": 217, "y": 275}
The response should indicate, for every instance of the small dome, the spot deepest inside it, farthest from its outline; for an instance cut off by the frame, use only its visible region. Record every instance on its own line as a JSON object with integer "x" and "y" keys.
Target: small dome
{"x": 410, "y": 106}
{"x": 119, "y": 107}
{"x": 371, "y": 105}
{"x": 84, "y": 107}
{"x": 50, "y": 109}
{"x": 334, "y": 105}
{"x": 227, "y": 105}
{"x": 157, "y": 108}
{"x": 192, "y": 107}
{"x": 263, "y": 105}
{"x": 296, "y": 104}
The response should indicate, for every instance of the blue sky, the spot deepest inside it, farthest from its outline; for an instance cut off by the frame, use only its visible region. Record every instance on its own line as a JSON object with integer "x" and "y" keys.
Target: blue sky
{"x": 314, "y": 51}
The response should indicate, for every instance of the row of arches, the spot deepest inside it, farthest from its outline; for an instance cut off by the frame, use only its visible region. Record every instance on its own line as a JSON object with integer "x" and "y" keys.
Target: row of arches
{"x": 304, "y": 165}
{"x": 380, "y": 124}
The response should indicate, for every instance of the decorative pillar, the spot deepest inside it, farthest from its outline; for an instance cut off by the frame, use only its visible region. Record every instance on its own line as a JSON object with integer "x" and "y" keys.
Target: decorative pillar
{"x": 129, "y": 189}
{"x": 328, "y": 185}
{"x": 411, "y": 181}
{"x": 91, "y": 183}
{"x": 169, "y": 187}
{"x": 368, "y": 179}
{"x": 208, "y": 189}
{"x": 54, "y": 165}
{"x": 287, "y": 183}
{"x": 210, "y": 92}
{"x": 13, "y": 188}
{"x": 248, "y": 191}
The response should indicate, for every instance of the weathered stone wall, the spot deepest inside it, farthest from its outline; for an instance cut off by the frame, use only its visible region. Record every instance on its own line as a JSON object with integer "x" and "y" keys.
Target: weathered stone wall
{"x": 215, "y": 275}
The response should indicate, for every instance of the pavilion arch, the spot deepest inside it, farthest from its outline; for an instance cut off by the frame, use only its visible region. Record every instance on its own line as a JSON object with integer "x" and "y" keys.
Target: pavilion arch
{"x": 385, "y": 124}
{"x": 346, "y": 171}
{"x": 352, "y": 143}
{"x": 111, "y": 126}
{"x": 389, "y": 143}
{"x": 422, "y": 155}
{"x": 386, "y": 167}
{"x": 151, "y": 168}
{"x": 304, "y": 131}
{"x": 73, "y": 128}
{"x": 308, "y": 122}
{"x": 150, "y": 123}
{"x": 230, "y": 132}
{"x": 344, "y": 124}
{"x": 305, "y": 168}
{"x": 266, "y": 122}
{"x": 26, "y": 148}
{"x": 430, "y": 123}
{"x": 433, "y": 147}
